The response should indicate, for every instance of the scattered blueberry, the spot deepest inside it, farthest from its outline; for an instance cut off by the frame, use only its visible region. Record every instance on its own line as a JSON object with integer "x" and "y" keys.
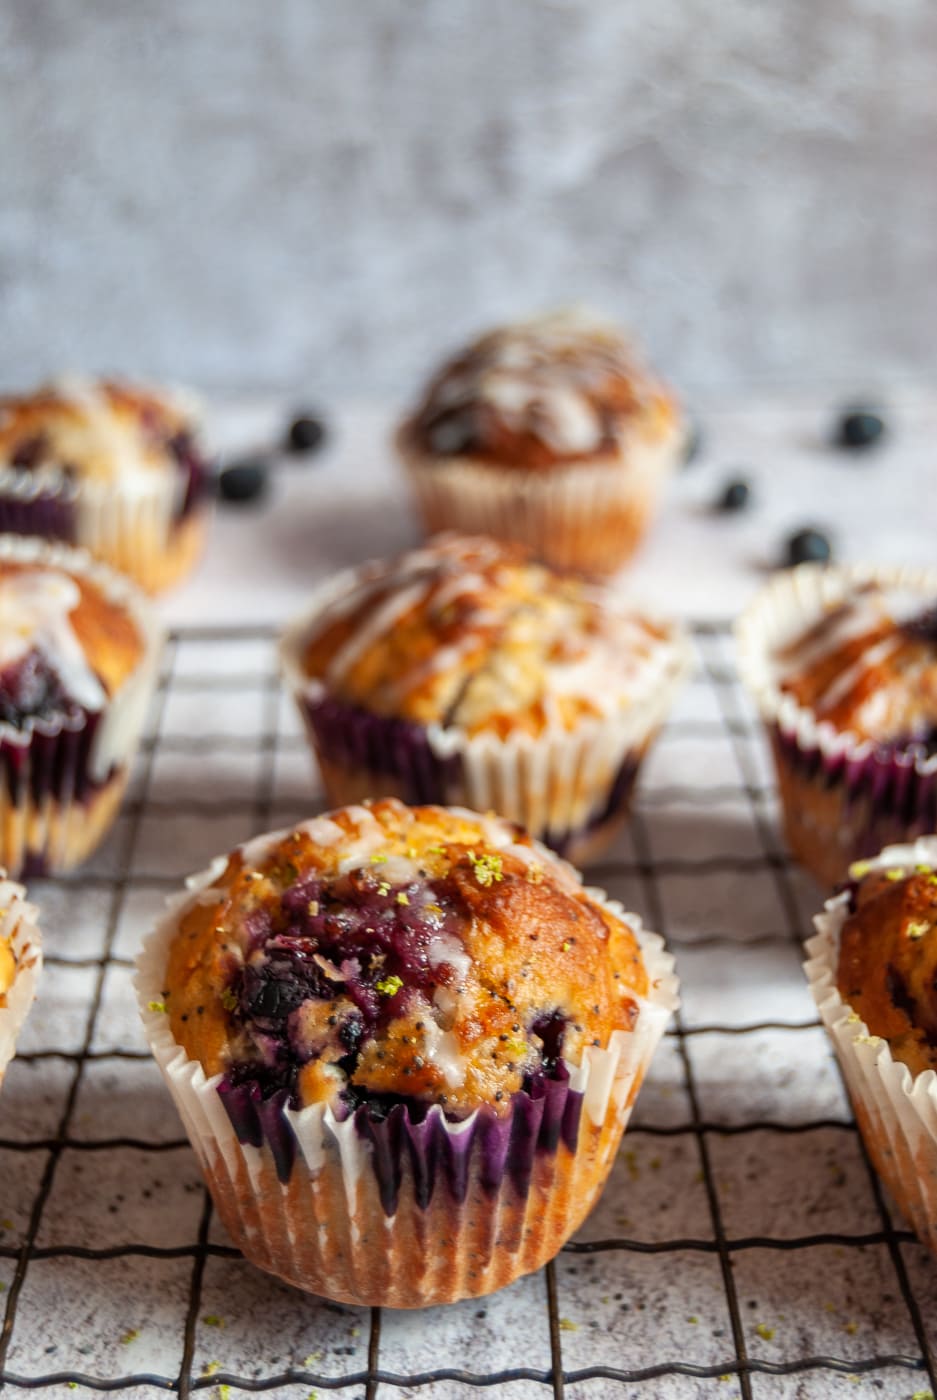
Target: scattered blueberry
{"x": 808, "y": 547}
{"x": 859, "y": 427}
{"x": 694, "y": 443}
{"x": 243, "y": 482}
{"x": 735, "y": 496}
{"x": 306, "y": 434}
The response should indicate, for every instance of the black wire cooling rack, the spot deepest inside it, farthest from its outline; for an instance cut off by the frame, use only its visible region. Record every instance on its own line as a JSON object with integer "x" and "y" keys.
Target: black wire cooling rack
{"x": 743, "y": 1245}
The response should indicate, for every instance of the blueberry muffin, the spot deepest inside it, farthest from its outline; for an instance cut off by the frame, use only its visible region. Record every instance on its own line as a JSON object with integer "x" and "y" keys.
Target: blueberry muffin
{"x": 465, "y": 672}
{"x": 872, "y": 972}
{"x": 116, "y": 469}
{"x": 405, "y": 1042}
{"x": 551, "y": 432}
{"x": 843, "y": 665}
{"x": 78, "y": 656}
{"x": 20, "y": 964}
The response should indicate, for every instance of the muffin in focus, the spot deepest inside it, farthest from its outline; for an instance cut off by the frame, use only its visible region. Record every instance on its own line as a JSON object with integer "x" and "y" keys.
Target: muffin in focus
{"x": 872, "y": 973}
{"x": 551, "y": 432}
{"x": 116, "y": 469}
{"x": 405, "y": 1043}
{"x": 20, "y": 964}
{"x": 465, "y": 673}
{"x": 79, "y": 649}
{"x": 843, "y": 665}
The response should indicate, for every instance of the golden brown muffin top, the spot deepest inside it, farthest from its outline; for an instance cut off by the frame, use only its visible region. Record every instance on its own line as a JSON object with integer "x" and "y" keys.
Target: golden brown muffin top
{"x": 63, "y": 641}
{"x": 95, "y": 430}
{"x": 541, "y": 393}
{"x": 888, "y": 960}
{"x": 382, "y": 952}
{"x": 471, "y": 633}
{"x": 869, "y": 665}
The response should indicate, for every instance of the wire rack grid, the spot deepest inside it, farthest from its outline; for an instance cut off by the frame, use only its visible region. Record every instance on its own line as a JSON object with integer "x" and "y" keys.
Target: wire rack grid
{"x": 743, "y": 1245}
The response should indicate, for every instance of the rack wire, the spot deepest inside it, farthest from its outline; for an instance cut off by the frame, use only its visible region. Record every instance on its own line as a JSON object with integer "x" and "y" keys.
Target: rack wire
{"x": 743, "y": 1245}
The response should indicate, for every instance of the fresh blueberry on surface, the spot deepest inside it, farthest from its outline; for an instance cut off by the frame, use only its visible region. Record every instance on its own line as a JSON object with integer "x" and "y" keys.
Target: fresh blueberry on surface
{"x": 306, "y": 434}
{"x": 859, "y": 427}
{"x": 735, "y": 495}
{"x": 243, "y": 482}
{"x": 809, "y": 547}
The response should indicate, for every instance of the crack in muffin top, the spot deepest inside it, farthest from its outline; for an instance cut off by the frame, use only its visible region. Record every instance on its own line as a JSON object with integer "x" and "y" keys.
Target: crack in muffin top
{"x": 560, "y": 387}
{"x": 64, "y": 645}
{"x": 869, "y": 666}
{"x": 96, "y": 430}
{"x": 472, "y": 633}
{"x": 382, "y": 953}
{"x": 887, "y": 969}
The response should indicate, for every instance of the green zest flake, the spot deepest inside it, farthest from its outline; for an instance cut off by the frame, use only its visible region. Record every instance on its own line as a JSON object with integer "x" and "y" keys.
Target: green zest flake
{"x": 389, "y": 986}
{"x": 894, "y": 874}
{"x": 383, "y": 887}
{"x": 229, "y": 999}
{"x": 156, "y": 1005}
{"x": 487, "y": 868}
{"x": 860, "y": 868}
{"x": 403, "y": 898}
{"x": 567, "y": 1326}
{"x": 924, "y": 869}
{"x": 436, "y": 850}
{"x": 129, "y": 1336}
{"x": 917, "y": 928}
{"x": 764, "y": 1331}
{"x": 211, "y": 1367}
{"x": 378, "y": 860}
{"x": 566, "y": 946}
{"x": 693, "y": 1321}
{"x": 311, "y": 1359}
{"x": 313, "y": 907}
{"x": 923, "y": 1395}
{"x": 213, "y": 1320}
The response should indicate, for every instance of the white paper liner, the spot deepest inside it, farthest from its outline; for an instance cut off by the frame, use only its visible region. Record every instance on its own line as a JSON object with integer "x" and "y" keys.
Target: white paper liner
{"x": 791, "y": 603}
{"x": 896, "y": 1111}
{"x": 561, "y": 514}
{"x": 18, "y": 924}
{"x": 61, "y": 825}
{"x": 317, "y": 1229}
{"x": 552, "y": 784}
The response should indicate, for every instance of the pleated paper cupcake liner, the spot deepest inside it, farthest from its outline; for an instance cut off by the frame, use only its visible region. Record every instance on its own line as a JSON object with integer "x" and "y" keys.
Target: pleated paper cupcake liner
{"x": 570, "y": 788}
{"x": 842, "y": 798}
{"x": 19, "y": 929}
{"x": 61, "y": 779}
{"x": 896, "y": 1110}
{"x": 140, "y": 528}
{"x": 588, "y": 516}
{"x": 406, "y": 1209}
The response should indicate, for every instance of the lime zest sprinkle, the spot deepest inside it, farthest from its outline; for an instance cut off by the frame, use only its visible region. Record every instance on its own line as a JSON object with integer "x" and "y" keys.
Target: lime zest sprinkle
{"x": 156, "y": 1006}
{"x": 313, "y": 908}
{"x": 851, "y": 1327}
{"x": 567, "y": 1325}
{"x": 917, "y": 928}
{"x": 211, "y": 1367}
{"x": 534, "y": 874}
{"x": 311, "y": 1359}
{"x": 378, "y": 859}
{"x": 402, "y": 897}
{"x": 389, "y": 986}
{"x": 213, "y": 1320}
{"x": 693, "y": 1320}
{"x": 860, "y": 868}
{"x": 565, "y": 946}
{"x": 229, "y": 999}
{"x": 764, "y": 1331}
{"x": 895, "y": 874}
{"x": 383, "y": 887}
{"x": 129, "y": 1336}
{"x": 487, "y": 868}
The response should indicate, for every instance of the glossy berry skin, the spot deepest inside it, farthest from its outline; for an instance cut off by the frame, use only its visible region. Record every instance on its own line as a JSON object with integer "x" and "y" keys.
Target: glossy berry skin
{"x": 736, "y": 495}
{"x": 306, "y": 434}
{"x": 243, "y": 482}
{"x": 809, "y": 547}
{"x": 859, "y": 428}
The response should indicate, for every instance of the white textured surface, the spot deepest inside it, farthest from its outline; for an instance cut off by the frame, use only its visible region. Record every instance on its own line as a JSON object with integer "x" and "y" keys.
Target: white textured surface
{"x": 349, "y": 503}
{"x": 736, "y": 937}
{"x": 313, "y": 195}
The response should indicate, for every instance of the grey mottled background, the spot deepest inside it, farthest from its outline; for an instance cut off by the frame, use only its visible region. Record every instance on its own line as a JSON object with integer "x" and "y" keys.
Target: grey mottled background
{"x": 324, "y": 193}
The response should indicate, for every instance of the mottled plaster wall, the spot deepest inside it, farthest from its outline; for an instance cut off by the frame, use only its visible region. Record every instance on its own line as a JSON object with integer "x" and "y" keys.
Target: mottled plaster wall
{"x": 285, "y": 192}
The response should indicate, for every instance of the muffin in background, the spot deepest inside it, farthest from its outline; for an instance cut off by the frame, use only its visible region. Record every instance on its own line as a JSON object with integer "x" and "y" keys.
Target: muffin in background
{"x": 871, "y": 968}
{"x": 79, "y": 649}
{"x": 551, "y": 432}
{"x": 463, "y": 672}
{"x": 405, "y": 1044}
{"x": 20, "y": 964}
{"x": 842, "y": 662}
{"x": 114, "y": 468}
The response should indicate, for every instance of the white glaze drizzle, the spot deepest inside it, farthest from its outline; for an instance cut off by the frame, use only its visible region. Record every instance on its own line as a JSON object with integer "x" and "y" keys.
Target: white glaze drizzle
{"x": 35, "y": 609}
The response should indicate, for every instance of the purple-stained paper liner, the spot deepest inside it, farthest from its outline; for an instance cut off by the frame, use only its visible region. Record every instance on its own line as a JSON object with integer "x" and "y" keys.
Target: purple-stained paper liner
{"x": 494, "y": 1146}
{"x": 27, "y": 508}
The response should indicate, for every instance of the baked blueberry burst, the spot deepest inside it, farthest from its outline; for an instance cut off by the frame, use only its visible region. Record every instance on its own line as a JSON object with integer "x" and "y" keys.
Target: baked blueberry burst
{"x": 385, "y": 955}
